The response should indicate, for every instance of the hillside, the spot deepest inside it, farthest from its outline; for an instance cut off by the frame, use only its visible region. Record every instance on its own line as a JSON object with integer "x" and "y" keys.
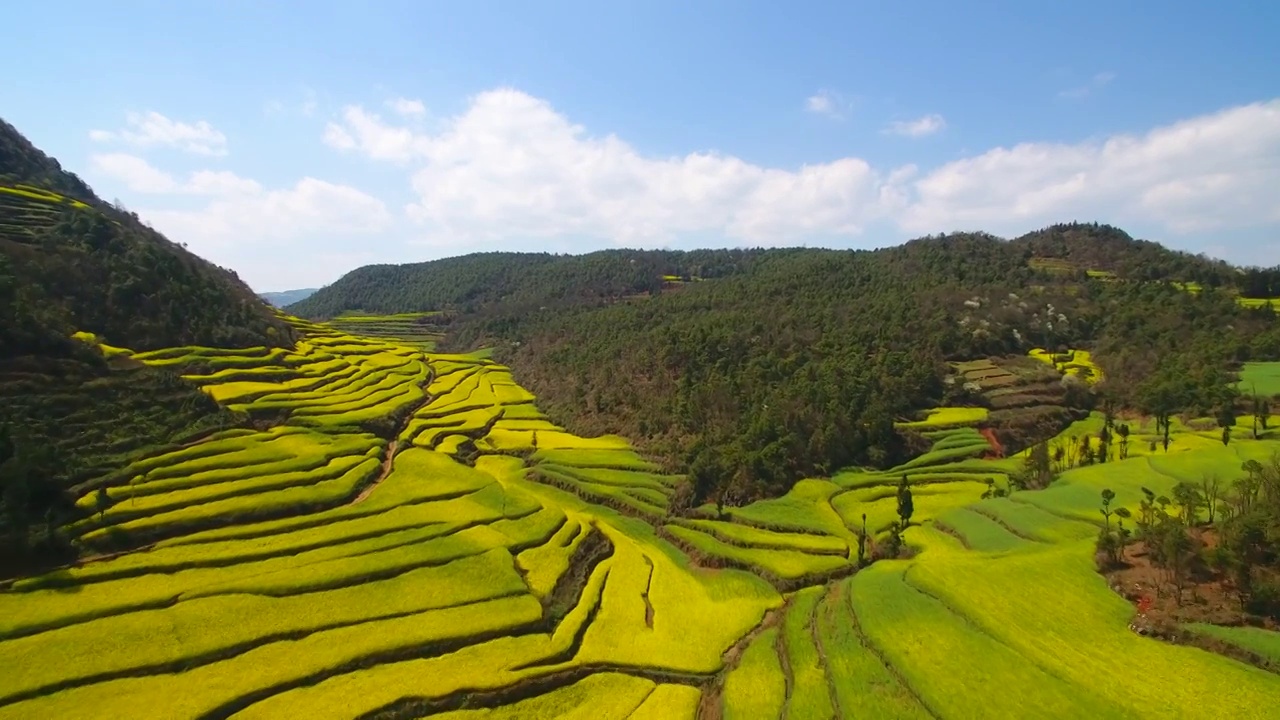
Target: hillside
{"x": 755, "y": 368}
{"x": 287, "y": 297}
{"x": 412, "y": 537}
{"x": 79, "y": 264}
{"x": 519, "y": 281}
{"x": 70, "y": 263}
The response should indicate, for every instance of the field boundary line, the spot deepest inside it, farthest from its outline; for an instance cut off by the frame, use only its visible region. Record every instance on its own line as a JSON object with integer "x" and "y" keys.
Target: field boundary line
{"x": 879, "y": 655}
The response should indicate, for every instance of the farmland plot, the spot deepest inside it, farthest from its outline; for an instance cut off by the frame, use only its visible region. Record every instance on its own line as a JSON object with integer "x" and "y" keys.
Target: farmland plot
{"x": 403, "y": 533}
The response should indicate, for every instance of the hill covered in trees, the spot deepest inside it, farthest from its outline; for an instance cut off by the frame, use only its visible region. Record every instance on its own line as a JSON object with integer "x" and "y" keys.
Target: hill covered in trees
{"x": 71, "y": 263}
{"x": 753, "y": 368}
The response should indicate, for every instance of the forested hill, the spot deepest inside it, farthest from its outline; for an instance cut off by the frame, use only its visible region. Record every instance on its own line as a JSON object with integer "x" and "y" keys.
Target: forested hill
{"x": 71, "y": 263}
{"x": 473, "y": 282}
{"x": 755, "y": 368}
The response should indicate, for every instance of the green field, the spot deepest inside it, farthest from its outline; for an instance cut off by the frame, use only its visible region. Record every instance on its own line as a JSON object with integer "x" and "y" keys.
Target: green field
{"x": 1260, "y": 377}
{"x": 405, "y": 534}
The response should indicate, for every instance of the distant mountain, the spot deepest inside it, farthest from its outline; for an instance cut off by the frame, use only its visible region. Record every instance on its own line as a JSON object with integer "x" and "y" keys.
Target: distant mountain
{"x": 285, "y": 298}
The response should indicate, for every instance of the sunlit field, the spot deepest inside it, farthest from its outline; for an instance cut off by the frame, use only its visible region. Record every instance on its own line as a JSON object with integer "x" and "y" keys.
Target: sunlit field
{"x": 407, "y": 535}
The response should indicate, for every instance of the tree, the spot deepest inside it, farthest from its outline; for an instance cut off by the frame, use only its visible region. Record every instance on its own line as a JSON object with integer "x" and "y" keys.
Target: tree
{"x": 1122, "y": 430}
{"x": 1122, "y": 533}
{"x": 862, "y": 542}
{"x": 894, "y": 544}
{"x": 1146, "y": 513}
{"x": 906, "y": 505}
{"x": 101, "y": 501}
{"x": 1211, "y": 490}
{"x": 1260, "y": 411}
{"x": 1107, "y": 496}
{"x": 1189, "y": 499}
{"x": 1246, "y": 545}
{"x": 993, "y": 490}
{"x": 1226, "y": 419}
{"x": 1178, "y": 549}
{"x": 1036, "y": 471}
{"x": 1159, "y": 398}
{"x": 1248, "y": 488}
{"x": 1107, "y": 432}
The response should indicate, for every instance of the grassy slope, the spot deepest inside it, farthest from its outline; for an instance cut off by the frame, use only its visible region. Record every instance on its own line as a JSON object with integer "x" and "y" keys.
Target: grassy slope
{"x": 1262, "y": 377}
{"x": 443, "y": 579}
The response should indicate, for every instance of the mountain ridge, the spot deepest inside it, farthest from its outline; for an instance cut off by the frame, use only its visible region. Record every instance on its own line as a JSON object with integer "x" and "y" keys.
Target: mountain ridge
{"x": 76, "y": 271}
{"x": 754, "y": 368}
{"x": 284, "y": 298}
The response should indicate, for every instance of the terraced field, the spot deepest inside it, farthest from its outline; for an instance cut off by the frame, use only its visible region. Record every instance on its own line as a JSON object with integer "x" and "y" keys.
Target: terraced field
{"x": 414, "y": 329}
{"x": 403, "y": 534}
{"x": 1077, "y": 363}
{"x": 26, "y": 210}
{"x": 1256, "y": 303}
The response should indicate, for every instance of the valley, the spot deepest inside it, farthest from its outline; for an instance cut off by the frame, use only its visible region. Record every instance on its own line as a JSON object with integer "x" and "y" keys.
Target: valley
{"x": 963, "y": 477}
{"x": 417, "y": 538}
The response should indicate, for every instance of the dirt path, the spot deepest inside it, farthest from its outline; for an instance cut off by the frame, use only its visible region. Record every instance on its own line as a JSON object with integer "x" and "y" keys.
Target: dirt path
{"x": 784, "y": 660}
{"x": 388, "y": 457}
{"x": 709, "y": 707}
{"x": 648, "y": 606}
{"x": 393, "y": 445}
{"x": 822, "y": 649}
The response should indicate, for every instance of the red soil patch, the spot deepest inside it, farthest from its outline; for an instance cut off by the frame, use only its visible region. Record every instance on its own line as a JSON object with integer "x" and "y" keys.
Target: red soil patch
{"x": 1206, "y": 598}
{"x": 997, "y": 449}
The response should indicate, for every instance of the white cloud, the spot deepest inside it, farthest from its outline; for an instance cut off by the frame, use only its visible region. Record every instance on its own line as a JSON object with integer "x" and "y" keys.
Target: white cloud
{"x": 1209, "y": 172}
{"x": 367, "y": 133}
{"x": 407, "y": 108}
{"x": 140, "y": 176}
{"x": 153, "y": 129}
{"x": 510, "y": 171}
{"x": 260, "y": 233}
{"x": 927, "y": 125}
{"x": 1097, "y": 82}
{"x": 827, "y": 103}
{"x": 310, "y": 207}
{"x": 137, "y": 174}
{"x": 510, "y": 168}
{"x": 290, "y": 237}
{"x": 220, "y": 183}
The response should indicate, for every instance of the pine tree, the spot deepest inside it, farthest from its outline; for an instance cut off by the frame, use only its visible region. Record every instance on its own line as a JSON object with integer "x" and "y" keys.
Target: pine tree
{"x": 906, "y": 506}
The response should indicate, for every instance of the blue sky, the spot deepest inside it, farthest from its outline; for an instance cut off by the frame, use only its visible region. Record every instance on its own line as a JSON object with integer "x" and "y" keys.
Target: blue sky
{"x": 295, "y": 141}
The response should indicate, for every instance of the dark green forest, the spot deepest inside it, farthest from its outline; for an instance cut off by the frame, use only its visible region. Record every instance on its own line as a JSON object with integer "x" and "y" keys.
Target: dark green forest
{"x": 779, "y": 364}
{"x": 530, "y": 281}
{"x": 70, "y": 262}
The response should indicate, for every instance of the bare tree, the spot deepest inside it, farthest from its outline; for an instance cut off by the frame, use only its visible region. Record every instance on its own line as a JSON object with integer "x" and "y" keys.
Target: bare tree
{"x": 1211, "y": 491}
